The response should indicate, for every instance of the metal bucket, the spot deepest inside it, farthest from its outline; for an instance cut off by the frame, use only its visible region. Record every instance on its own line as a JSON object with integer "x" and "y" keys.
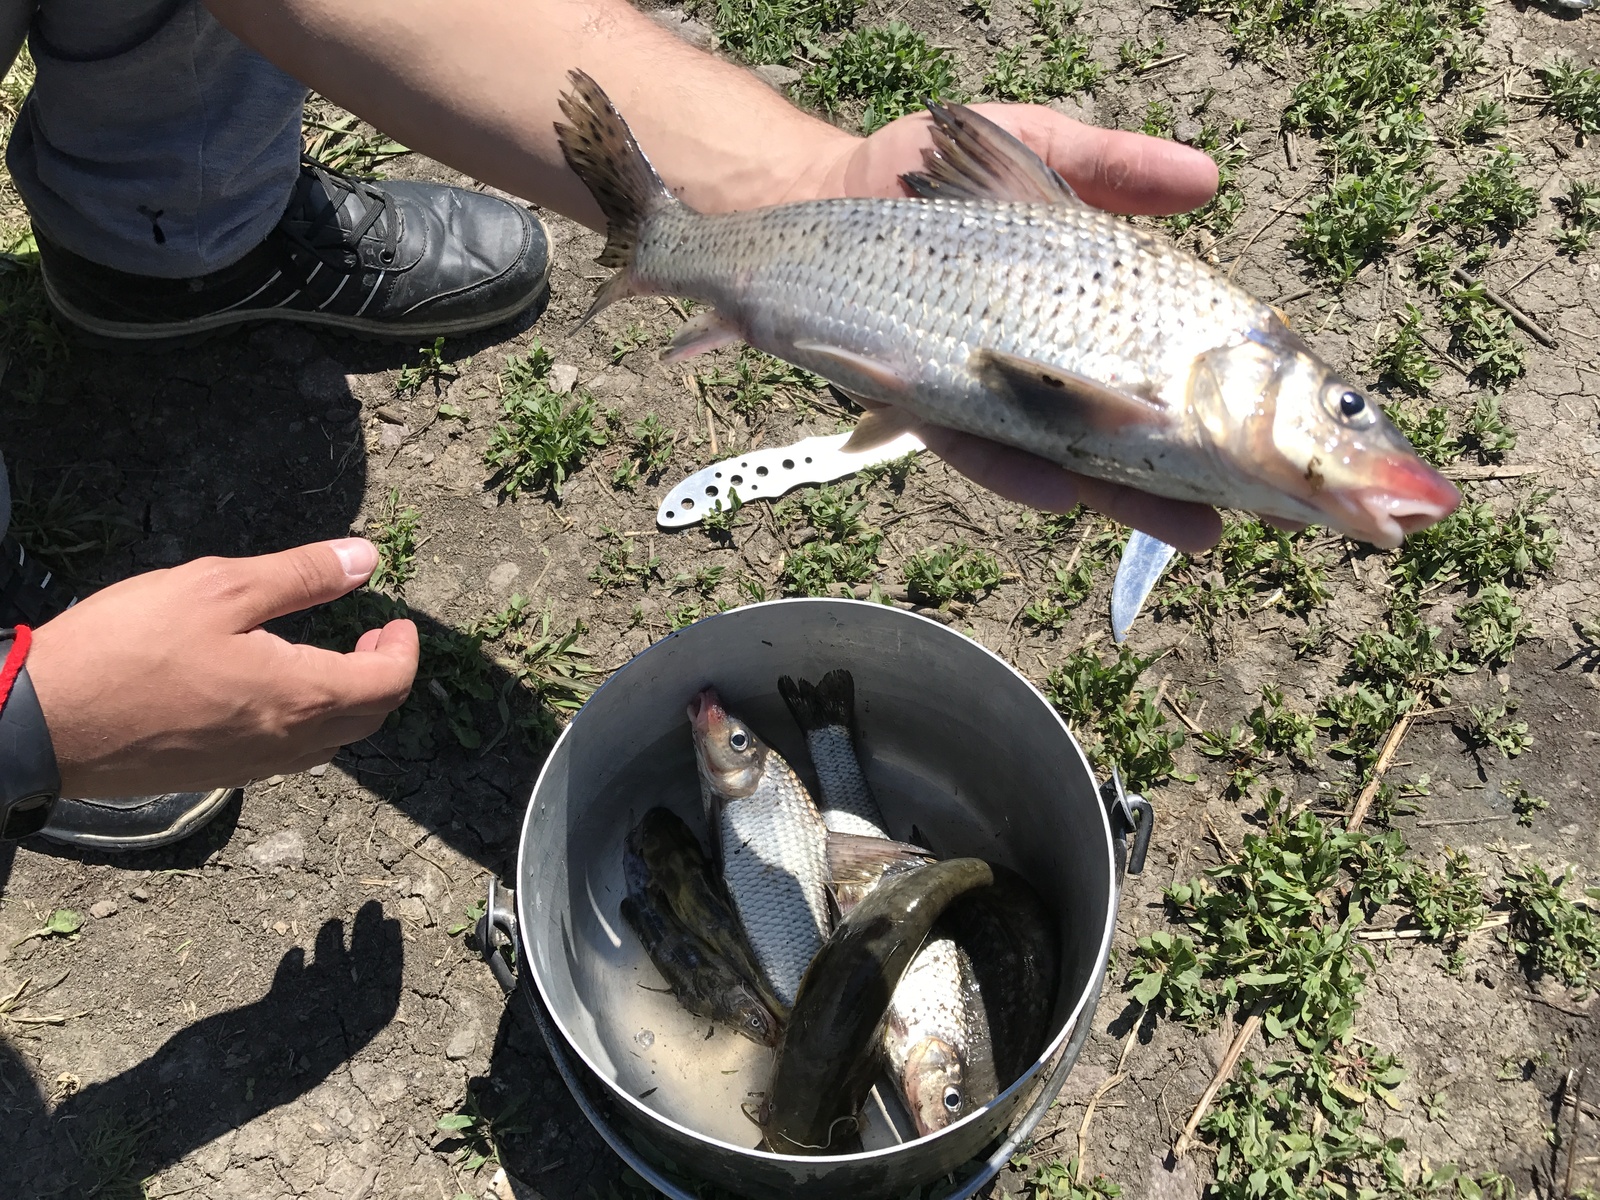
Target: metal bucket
{"x": 952, "y": 740}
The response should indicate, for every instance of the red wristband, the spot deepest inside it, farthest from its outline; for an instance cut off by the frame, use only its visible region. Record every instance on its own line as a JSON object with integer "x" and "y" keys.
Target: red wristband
{"x": 22, "y": 640}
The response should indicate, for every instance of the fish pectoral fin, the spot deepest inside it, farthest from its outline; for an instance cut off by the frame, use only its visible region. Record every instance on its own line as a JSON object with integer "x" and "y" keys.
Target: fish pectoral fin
{"x": 705, "y": 331}
{"x": 853, "y": 372}
{"x": 878, "y": 427}
{"x": 972, "y": 158}
{"x": 1046, "y": 395}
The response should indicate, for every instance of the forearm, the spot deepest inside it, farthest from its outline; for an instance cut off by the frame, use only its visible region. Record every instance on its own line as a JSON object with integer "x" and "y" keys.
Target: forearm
{"x": 475, "y": 84}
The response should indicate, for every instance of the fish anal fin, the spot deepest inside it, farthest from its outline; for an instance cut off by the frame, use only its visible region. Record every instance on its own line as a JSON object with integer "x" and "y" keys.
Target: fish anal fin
{"x": 878, "y": 427}
{"x": 705, "y": 331}
{"x": 972, "y": 158}
{"x": 1045, "y": 394}
{"x": 619, "y": 287}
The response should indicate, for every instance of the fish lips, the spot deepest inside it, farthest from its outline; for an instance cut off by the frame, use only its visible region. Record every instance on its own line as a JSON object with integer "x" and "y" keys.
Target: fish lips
{"x": 706, "y": 711}
{"x": 1407, "y": 496}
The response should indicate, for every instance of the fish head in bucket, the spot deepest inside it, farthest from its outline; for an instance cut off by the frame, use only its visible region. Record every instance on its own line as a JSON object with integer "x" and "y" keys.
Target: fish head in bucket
{"x": 728, "y": 754}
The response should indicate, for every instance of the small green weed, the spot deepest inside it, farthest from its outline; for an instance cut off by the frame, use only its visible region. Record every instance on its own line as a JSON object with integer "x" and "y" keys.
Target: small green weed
{"x": 1403, "y": 360}
{"x": 473, "y": 1139}
{"x": 61, "y": 923}
{"x": 469, "y": 920}
{"x": 340, "y": 145}
{"x": 1486, "y": 431}
{"x": 956, "y": 572}
{"x": 1486, "y": 727}
{"x": 396, "y": 540}
{"x": 1428, "y": 431}
{"x": 1281, "y": 730}
{"x": 1523, "y": 802}
{"x": 431, "y": 369}
{"x": 1447, "y": 904}
{"x": 1236, "y": 751}
{"x": 1137, "y": 55}
{"x": 843, "y": 549}
{"x": 634, "y": 337}
{"x": 541, "y": 437}
{"x": 1490, "y": 200}
{"x": 1054, "y": 62}
{"x": 1482, "y": 334}
{"x": 1548, "y": 932}
{"x": 1227, "y": 149}
{"x": 648, "y": 456}
{"x": 1119, "y": 721}
{"x": 1572, "y": 93}
{"x": 1476, "y": 546}
{"x": 1069, "y": 587}
{"x": 113, "y": 1150}
{"x": 767, "y": 31}
{"x": 755, "y": 380}
{"x": 1059, "y": 1181}
{"x": 888, "y": 69}
{"x": 1360, "y": 217}
{"x": 618, "y": 567}
{"x": 1157, "y": 119}
{"x": 1494, "y": 623}
{"x": 62, "y": 527}
{"x": 1481, "y": 121}
{"x": 1580, "y": 217}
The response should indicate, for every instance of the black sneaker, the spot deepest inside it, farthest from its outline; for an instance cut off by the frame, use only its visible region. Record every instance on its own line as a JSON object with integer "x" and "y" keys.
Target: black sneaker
{"x": 30, "y": 594}
{"x": 390, "y": 259}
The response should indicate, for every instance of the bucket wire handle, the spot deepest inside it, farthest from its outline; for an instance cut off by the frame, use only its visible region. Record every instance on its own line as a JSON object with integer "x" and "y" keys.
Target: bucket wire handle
{"x": 496, "y": 932}
{"x": 1129, "y": 815}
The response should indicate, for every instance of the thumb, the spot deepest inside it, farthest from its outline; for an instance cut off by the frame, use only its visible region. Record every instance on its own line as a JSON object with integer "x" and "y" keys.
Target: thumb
{"x": 274, "y": 585}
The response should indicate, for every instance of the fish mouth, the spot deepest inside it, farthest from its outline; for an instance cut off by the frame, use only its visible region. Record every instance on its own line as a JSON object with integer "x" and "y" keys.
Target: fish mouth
{"x": 1408, "y": 497}
{"x": 706, "y": 711}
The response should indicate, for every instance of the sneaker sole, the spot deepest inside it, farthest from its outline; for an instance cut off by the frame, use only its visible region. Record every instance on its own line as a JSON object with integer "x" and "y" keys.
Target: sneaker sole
{"x": 178, "y": 334}
{"x": 113, "y": 843}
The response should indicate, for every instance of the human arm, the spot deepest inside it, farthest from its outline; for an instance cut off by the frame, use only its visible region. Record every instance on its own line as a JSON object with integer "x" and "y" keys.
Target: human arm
{"x": 167, "y": 682}
{"x": 483, "y": 98}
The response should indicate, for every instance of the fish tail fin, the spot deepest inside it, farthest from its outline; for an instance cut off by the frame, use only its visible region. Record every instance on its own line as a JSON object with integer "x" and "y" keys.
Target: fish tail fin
{"x": 832, "y": 701}
{"x": 601, "y": 151}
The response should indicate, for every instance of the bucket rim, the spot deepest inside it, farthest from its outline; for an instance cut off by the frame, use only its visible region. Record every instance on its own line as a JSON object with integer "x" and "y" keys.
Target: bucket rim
{"x": 631, "y": 1105}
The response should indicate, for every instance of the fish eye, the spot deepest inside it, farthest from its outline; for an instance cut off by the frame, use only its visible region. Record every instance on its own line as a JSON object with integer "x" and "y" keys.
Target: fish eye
{"x": 1348, "y": 406}
{"x": 739, "y": 739}
{"x": 952, "y": 1099}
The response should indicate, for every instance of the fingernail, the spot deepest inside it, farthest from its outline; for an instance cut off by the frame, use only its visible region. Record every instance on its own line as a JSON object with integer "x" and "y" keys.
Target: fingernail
{"x": 356, "y": 555}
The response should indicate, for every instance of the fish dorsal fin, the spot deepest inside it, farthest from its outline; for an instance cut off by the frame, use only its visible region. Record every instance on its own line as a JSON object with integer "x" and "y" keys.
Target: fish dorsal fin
{"x": 854, "y": 857}
{"x": 1051, "y": 397}
{"x": 972, "y": 158}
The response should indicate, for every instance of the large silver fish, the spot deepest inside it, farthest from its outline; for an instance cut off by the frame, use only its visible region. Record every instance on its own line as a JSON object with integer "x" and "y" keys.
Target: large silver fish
{"x": 772, "y": 844}
{"x": 997, "y": 303}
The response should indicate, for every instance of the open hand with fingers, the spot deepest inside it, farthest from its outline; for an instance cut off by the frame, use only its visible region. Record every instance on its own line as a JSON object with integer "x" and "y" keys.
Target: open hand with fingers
{"x": 168, "y": 682}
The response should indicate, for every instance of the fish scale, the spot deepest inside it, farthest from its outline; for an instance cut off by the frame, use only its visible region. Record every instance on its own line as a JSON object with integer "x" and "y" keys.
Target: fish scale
{"x": 948, "y": 276}
{"x": 774, "y": 863}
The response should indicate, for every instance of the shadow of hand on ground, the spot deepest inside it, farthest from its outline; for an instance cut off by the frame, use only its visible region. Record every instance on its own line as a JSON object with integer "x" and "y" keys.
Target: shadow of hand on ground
{"x": 213, "y": 1076}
